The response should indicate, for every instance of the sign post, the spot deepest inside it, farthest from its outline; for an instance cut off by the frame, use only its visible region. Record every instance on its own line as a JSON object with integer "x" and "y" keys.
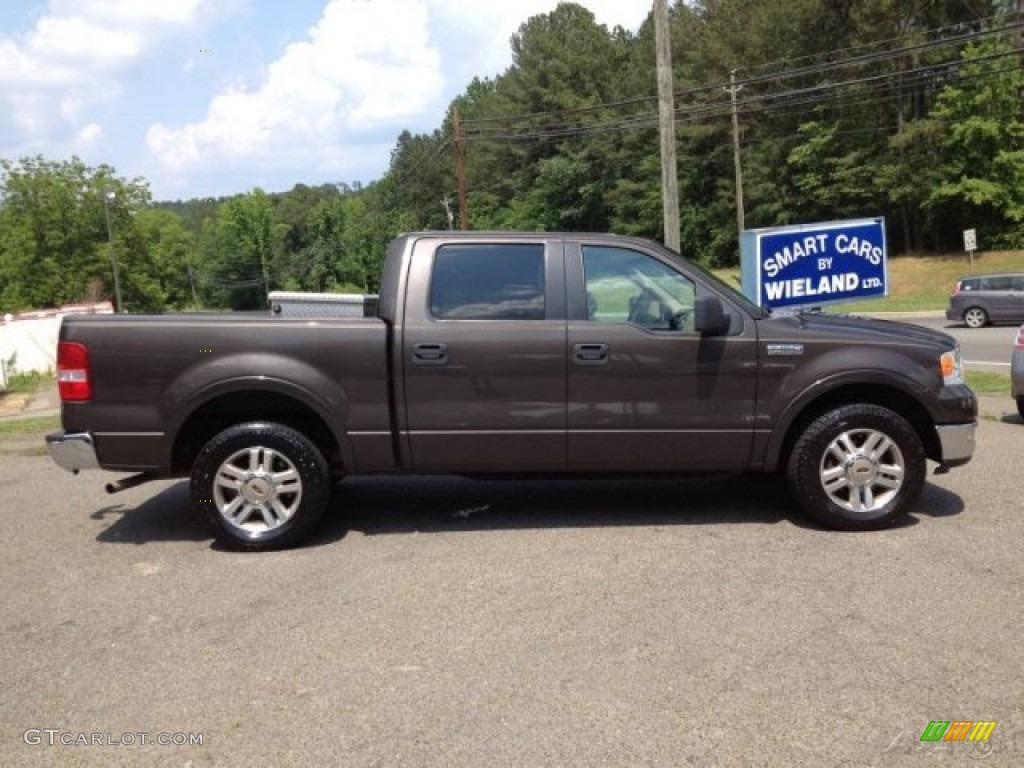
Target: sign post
{"x": 970, "y": 245}
{"x": 814, "y": 264}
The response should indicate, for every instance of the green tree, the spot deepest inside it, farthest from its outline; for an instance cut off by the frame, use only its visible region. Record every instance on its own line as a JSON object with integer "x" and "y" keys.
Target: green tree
{"x": 981, "y": 180}
{"x": 54, "y": 240}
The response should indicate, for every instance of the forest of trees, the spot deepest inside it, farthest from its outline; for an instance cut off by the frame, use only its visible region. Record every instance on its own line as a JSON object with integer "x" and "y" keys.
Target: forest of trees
{"x": 908, "y": 109}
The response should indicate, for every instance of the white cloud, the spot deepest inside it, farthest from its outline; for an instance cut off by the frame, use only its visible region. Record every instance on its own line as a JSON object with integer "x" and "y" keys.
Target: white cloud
{"x": 366, "y": 66}
{"x": 79, "y": 40}
{"x": 486, "y": 27}
{"x": 90, "y": 134}
{"x": 69, "y": 61}
{"x": 363, "y": 65}
{"x": 133, "y": 13}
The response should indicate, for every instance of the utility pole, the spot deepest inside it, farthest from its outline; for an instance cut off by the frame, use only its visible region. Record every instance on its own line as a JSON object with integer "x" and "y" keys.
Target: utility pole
{"x": 192, "y": 281}
{"x": 460, "y": 169}
{"x": 108, "y": 197}
{"x": 447, "y": 203}
{"x": 733, "y": 90}
{"x": 666, "y": 125}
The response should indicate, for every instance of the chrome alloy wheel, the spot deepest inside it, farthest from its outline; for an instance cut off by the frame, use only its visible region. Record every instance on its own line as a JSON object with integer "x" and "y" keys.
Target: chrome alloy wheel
{"x": 975, "y": 317}
{"x": 862, "y": 470}
{"x": 257, "y": 489}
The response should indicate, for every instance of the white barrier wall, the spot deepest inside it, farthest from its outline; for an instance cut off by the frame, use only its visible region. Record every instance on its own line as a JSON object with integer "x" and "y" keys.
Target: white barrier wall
{"x": 29, "y": 345}
{"x": 28, "y": 342}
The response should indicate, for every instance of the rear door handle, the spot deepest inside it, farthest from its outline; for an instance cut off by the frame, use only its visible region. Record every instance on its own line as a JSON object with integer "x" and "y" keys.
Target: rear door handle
{"x": 429, "y": 353}
{"x": 590, "y": 354}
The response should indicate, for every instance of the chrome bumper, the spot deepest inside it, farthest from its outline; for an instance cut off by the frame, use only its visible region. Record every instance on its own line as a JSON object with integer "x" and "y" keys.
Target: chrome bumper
{"x": 957, "y": 441}
{"x": 73, "y": 451}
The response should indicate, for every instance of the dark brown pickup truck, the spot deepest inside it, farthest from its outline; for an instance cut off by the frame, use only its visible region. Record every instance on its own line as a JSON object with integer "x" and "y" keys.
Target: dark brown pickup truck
{"x": 502, "y": 353}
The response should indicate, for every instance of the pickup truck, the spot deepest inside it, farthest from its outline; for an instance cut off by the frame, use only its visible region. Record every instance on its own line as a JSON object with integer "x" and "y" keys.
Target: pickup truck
{"x": 502, "y": 354}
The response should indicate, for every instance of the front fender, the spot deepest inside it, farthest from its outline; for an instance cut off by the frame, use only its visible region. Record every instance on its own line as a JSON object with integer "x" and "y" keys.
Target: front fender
{"x": 888, "y": 372}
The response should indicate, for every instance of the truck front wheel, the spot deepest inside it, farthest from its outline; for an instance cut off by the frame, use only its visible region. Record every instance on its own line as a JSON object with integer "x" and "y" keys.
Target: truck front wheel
{"x": 857, "y": 467}
{"x": 260, "y": 485}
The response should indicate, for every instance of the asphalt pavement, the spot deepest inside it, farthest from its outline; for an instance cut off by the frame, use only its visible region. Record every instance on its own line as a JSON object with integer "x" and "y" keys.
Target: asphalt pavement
{"x": 444, "y": 622}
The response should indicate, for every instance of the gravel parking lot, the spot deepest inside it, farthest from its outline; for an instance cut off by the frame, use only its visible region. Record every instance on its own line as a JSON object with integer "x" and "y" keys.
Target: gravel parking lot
{"x": 451, "y": 622}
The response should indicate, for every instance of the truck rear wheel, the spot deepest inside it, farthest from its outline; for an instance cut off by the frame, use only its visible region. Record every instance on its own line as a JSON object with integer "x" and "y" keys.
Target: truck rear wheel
{"x": 260, "y": 485}
{"x": 857, "y": 468}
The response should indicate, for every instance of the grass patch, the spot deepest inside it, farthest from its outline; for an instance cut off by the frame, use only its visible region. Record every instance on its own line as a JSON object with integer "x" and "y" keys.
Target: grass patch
{"x": 30, "y": 426}
{"x": 27, "y": 382}
{"x": 986, "y": 383}
{"x": 919, "y": 283}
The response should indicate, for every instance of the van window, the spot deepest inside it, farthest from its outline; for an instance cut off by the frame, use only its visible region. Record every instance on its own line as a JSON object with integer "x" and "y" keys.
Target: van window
{"x": 996, "y": 283}
{"x": 1018, "y": 283}
{"x": 488, "y": 282}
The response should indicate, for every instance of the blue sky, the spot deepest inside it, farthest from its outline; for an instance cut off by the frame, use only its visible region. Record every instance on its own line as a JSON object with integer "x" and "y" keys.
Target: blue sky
{"x": 213, "y": 97}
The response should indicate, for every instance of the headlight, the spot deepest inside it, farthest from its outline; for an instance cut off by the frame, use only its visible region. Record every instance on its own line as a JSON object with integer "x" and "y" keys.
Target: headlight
{"x": 952, "y": 366}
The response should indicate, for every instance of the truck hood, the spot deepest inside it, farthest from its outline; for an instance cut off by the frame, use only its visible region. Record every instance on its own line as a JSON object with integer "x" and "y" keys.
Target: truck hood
{"x": 854, "y": 328}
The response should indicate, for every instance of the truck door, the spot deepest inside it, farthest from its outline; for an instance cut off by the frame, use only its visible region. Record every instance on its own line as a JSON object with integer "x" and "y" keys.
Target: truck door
{"x": 483, "y": 350}
{"x": 646, "y": 392}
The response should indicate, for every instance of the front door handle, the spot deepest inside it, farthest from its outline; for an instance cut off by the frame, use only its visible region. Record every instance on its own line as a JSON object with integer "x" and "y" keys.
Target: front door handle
{"x": 429, "y": 353}
{"x": 590, "y": 354}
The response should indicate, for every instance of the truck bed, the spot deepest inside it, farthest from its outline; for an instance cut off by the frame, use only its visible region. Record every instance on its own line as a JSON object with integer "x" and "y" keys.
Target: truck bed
{"x": 336, "y": 367}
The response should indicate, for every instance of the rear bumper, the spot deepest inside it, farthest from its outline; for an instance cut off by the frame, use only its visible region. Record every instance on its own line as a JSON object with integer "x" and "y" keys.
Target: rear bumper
{"x": 957, "y": 441}
{"x": 73, "y": 451}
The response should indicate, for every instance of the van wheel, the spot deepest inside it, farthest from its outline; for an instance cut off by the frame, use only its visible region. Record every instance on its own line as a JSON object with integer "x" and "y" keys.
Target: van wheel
{"x": 857, "y": 468}
{"x": 975, "y": 317}
{"x": 260, "y": 485}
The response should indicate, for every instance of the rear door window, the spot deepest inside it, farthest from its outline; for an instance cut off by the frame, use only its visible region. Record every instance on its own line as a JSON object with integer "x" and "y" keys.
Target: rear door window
{"x": 488, "y": 282}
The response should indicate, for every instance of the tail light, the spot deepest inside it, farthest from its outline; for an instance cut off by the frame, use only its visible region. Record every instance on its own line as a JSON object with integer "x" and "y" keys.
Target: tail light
{"x": 73, "y": 379}
{"x": 956, "y": 288}
{"x": 1020, "y": 338}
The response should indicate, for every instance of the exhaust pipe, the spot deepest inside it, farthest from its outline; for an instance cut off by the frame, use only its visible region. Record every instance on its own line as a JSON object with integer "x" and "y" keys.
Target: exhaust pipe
{"x": 131, "y": 482}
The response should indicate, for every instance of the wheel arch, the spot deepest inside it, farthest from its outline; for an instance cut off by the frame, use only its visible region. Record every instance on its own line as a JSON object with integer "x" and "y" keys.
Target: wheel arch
{"x": 881, "y": 394}
{"x": 251, "y": 402}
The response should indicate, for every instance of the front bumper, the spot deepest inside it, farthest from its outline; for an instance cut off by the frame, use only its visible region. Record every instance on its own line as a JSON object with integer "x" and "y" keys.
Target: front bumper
{"x": 73, "y": 451}
{"x": 957, "y": 442}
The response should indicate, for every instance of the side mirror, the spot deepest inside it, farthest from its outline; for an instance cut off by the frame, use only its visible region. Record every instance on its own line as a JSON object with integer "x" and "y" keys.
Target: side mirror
{"x": 709, "y": 316}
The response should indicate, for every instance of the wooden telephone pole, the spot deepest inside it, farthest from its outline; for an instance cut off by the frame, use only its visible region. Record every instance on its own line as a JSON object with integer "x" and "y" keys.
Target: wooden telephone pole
{"x": 733, "y": 89}
{"x": 666, "y": 125}
{"x": 460, "y": 169}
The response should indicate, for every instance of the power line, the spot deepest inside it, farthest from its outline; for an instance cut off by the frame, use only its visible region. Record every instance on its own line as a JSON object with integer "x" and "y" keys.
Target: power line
{"x": 758, "y": 104}
{"x": 893, "y": 53}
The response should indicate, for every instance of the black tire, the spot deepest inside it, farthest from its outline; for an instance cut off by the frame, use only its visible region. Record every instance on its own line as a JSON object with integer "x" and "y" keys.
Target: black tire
{"x": 1020, "y": 407}
{"x": 975, "y": 317}
{"x": 872, "y": 460}
{"x": 275, "y": 486}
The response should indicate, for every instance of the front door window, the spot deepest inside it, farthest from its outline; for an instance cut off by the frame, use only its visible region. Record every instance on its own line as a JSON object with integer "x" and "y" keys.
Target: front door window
{"x": 625, "y": 286}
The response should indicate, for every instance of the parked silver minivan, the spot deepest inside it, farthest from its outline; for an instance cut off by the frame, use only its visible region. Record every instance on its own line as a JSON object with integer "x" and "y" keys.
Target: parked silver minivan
{"x": 982, "y": 299}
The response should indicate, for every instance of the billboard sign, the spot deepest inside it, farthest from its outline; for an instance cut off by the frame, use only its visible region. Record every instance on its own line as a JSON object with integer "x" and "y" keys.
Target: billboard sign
{"x": 814, "y": 264}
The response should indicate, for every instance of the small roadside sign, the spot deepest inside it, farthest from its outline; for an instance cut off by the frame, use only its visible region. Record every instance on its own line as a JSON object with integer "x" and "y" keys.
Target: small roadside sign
{"x": 970, "y": 240}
